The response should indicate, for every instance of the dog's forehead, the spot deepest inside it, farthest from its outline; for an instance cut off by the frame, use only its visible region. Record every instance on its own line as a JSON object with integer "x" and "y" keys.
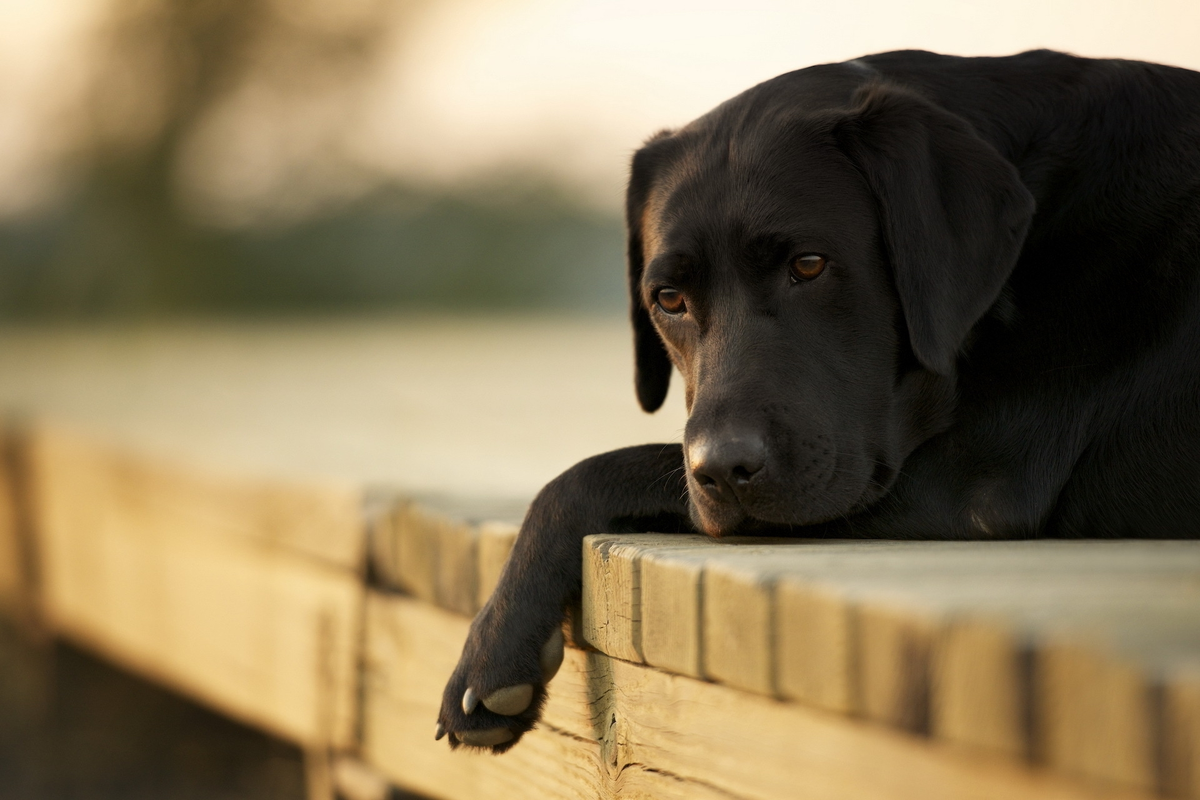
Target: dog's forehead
{"x": 778, "y": 177}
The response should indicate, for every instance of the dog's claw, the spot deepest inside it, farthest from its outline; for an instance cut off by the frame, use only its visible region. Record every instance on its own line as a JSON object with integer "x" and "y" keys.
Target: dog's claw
{"x": 552, "y": 655}
{"x": 510, "y": 700}
{"x": 441, "y": 731}
{"x": 489, "y": 737}
{"x": 470, "y": 700}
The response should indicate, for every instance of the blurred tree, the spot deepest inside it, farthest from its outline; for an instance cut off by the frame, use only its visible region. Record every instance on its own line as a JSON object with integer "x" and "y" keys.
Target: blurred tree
{"x": 125, "y": 242}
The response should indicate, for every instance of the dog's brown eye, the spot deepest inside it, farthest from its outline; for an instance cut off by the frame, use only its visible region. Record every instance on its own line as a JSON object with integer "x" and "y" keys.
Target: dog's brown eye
{"x": 670, "y": 300}
{"x": 807, "y": 267}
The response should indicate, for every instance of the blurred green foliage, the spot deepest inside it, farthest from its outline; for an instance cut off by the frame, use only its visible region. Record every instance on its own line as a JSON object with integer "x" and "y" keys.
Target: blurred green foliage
{"x": 396, "y": 249}
{"x": 119, "y": 242}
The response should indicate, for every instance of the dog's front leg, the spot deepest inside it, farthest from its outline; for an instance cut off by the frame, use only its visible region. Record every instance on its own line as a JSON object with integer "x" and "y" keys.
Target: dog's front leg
{"x": 515, "y": 644}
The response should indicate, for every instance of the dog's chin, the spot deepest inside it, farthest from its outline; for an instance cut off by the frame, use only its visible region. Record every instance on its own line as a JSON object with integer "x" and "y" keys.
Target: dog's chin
{"x": 717, "y": 519}
{"x": 726, "y": 519}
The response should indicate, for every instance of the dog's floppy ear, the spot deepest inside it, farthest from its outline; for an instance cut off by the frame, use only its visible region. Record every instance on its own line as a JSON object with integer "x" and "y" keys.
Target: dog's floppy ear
{"x": 652, "y": 366}
{"x": 954, "y": 213}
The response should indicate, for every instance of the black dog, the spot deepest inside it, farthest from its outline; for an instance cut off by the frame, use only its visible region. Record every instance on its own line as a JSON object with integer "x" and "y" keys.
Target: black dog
{"x": 910, "y": 296}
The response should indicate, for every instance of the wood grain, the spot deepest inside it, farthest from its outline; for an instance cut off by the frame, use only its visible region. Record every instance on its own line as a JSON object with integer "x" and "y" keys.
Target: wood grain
{"x": 617, "y": 729}
{"x": 816, "y": 662}
{"x": 430, "y": 555}
{"x": 973, "y": 643}
{"x": 738, "y": 620}
{"x": 170, "y": 577}
{"x": 321, "y": 520}
{"x": 672, "y": 609}
{"x": 611, "y": 618}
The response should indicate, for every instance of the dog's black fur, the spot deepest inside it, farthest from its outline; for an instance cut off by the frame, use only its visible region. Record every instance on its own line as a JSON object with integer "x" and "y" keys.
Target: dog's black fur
{"x": 1004, "y": 342}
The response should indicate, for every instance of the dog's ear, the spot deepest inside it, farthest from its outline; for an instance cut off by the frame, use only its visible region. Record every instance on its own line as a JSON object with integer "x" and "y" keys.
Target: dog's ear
{"x": 652, "y": 366}
{"x": 954, "y": 213}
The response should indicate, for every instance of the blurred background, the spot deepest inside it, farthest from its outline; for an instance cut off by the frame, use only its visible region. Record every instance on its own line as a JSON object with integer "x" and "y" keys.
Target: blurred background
{"x": 214, "y": 157}
{"x": 306, "y": 160}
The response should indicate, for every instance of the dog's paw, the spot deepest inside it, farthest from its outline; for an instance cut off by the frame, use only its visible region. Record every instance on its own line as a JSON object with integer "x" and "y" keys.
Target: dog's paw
{"x": 496, "y": 693}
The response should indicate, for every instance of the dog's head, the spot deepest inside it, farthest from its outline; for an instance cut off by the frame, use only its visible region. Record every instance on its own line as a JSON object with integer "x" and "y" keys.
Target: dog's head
{"x": 812, "y": 259}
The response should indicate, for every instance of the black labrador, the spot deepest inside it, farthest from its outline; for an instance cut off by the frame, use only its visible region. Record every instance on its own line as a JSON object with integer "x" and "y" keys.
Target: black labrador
{"x": 910, "y": 296}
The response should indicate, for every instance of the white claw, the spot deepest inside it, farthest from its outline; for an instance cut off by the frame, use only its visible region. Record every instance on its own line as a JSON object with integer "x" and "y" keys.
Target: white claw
{"x": 510, "y": 700}
{"x": 470, "y": 701}
{"x": 552, "y": 655}
{"x": 486, "y": 738}
{"x": 441, "y": 731}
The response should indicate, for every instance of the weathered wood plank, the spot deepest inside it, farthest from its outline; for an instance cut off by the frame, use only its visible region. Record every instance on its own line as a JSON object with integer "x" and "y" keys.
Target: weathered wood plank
{"x": 193, "y": 584}
{"x": 672, "y": 609}
{"x": 739, "y": 623}
{"x": 411, "y": 650}
{"x": 960, "y": 656}
{"x": 815, "y": 634}
{"x": 1065, "y": 673}
{"x": 612, "y": 583}
{"x": 431, "y": 549}
{"x": 943, "y": 638}
{"x": 430, "y": 556}
{"x": 321, "y": 520}
{"x": 1180, "y": 742}
{"x": 611, "y": 619}
{"x": 1098, "y": 693}
{"x": 618, "y": 729}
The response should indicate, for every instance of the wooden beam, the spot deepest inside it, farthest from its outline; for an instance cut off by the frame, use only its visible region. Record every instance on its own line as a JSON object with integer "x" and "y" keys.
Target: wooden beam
{"x": 431, "y": 549}
{"x": 191, "y": 582}
{"x": 974, "y": 643}
{"x": 612, "y": 583}
{"x": 1180, "y": 743}
{"x": 615, "y": 729}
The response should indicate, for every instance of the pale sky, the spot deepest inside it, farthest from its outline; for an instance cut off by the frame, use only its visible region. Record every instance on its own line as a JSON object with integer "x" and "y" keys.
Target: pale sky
{"x": 563, "y": 88}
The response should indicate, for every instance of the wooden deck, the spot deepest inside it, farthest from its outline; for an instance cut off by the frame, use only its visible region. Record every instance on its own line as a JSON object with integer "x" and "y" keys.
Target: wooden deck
{"x": 201, "y": 505}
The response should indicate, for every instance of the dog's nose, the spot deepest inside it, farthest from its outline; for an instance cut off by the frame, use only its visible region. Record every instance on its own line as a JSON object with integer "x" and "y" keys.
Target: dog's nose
{"x": 724, "y": 466}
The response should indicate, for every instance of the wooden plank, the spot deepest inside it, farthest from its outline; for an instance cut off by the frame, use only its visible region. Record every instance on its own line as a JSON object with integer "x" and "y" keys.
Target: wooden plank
{"x": 893, "y": 649}
{"x": 738, "y": 613}
{"x": 354, "y": 780}
{"x": 321, "y": 520}
{"x": 1180, "y": 742}
{"x": 411, "y": 650}
{"x": 611, "y": 618}
{"x": 429, "y": 555}
{"x": 742, "y": 622}
{"x": 164, "y": 575}
{"x": 988, "y": 645}
{"x": 709, "y": 611}
{"x": 672, "y": 609}
{"x": 928, "y": 637}
{"x": 815, "y": 635}
{"x": 958, "y": 649}
{"x": 618, "y": 729}
{"x": 980, "y": 684}
{"x": 431, "y": 549}
{"x": 1098, "y": 692}
{"x": 644, "y": 596}
{"x": 971, "y": 651}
